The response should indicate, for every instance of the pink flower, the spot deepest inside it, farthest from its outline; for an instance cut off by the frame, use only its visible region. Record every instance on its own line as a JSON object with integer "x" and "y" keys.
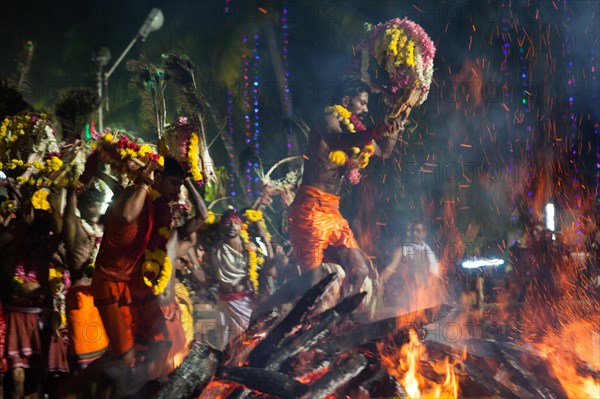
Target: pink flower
{"x": 354, "y": 176}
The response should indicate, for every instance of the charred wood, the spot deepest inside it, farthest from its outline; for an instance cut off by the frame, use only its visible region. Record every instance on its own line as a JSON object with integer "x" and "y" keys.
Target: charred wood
{"x": 337, "y": 377}
{"x": 260, "y": 354}
{"x": 264, "y": 381}
{"x": 193, "y": 375}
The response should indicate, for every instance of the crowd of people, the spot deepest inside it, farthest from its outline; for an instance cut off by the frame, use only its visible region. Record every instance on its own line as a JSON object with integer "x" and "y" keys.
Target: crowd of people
{"x": 102, "y": 304}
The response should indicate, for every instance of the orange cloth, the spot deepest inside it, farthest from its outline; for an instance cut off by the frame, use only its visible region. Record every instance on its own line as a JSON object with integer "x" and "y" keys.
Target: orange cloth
{"x": 86, "y": 332}
{"x": 179, "y": 348}
{"x": 316, "y": 223}
{"x": 128, "y": 310}
{"x": 123, "y": 245}
{"x": 112, "y": 299}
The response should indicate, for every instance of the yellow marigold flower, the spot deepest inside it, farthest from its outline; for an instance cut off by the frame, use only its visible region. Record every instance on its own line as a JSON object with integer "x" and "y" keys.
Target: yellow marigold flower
{"x": 369, "y": 149}
{"x": 123, "y": 154}
{"x": 211, "y": 218}
{"x": 39, "y": 200}
{"x": 54, "y": 164}
{"x": 108, "y": 137}
{"x": 337, "y": 157}
{"x": 161, "y": 161}
{"x": 342, "y": 112}
{"x": 253, "y": 215}
{"x": 355, "y": 150}
{"x": 38, "y": 165}
{"x": 165, "y": 232}
{"x": 144, "y": 150}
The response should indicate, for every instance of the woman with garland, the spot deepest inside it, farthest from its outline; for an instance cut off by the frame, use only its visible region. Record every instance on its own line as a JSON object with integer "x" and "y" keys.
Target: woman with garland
{"x": 339, "y": 146}
{"x": 236, "y": 261}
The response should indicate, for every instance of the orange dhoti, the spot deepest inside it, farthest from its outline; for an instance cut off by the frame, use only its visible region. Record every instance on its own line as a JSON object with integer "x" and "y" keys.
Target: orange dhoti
{"x": 315, "y": 224}
{"x": 86, "y": 331}
{"x": 179, "y": 348}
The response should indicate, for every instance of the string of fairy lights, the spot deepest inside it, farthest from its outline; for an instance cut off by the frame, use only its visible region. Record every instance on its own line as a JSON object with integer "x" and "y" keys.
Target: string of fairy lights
{"x": 524, "y": 103}
{"x": 255, "y": 103}
{"x": 229, "y": 143}
{"x": 572, "y": 129}
{"x": 286, "y": 73}
{"x": 504, "y": 68}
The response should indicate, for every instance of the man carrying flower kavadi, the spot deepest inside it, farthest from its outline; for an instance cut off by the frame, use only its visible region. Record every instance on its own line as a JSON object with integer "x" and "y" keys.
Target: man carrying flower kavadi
{"x": 125, "y": 284}
{"x": 339, "y": 146}
{"x": 235, "y": 262}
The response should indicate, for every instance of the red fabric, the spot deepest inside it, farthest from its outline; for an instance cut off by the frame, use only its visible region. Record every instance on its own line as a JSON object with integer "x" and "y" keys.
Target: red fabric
{"x": 3, "y": 364}
{"x": 233, "y": 296}
{"x": 123, "y": 245}
{"x": 57, "y": 354}
{"x": 315, "y": 224}
{"x": 86, "y": 332}
{"x": 23, "y": 344}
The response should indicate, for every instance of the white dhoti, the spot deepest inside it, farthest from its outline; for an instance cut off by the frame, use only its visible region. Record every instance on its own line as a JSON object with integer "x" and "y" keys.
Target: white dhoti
{"x": 234, "y": 317}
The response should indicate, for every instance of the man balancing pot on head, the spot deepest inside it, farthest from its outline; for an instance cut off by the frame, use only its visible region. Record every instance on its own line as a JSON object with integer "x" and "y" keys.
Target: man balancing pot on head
{"x": 339, "y": 146}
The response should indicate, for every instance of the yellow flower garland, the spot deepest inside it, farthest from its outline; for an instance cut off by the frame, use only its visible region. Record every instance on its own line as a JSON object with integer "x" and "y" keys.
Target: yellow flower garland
{"x": 340, "y": 158}
{"x": 156, "y": 270}
{"x": 252, "y": 258}
{"x": 192, "y": 155}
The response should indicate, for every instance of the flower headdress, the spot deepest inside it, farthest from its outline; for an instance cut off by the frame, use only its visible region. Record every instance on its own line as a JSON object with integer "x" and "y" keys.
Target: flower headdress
{"x": 398, "y": 54}
{"x": 117, "y": 148}
{"x": 183, "y": 143}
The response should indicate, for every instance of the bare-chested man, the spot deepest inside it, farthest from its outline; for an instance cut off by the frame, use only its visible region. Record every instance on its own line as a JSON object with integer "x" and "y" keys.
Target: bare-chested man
{"x": 315, "y": 220}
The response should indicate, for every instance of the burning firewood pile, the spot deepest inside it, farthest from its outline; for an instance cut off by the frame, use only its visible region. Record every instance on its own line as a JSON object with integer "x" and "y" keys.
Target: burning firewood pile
{"x": 325, "y": 354}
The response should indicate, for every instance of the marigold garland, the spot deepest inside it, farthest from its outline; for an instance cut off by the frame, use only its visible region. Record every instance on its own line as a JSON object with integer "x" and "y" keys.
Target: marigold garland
{"x": 357, "y": 159}
{"x": 156, "y": 270}
{"x": 117, "y": 148}
{"x": 252, "y": 257}
{"x": 192, "y": 158}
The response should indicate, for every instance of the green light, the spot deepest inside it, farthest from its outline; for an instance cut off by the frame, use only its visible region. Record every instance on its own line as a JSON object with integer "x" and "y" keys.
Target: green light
{"x": 88, "y": 135}
{"x": 524, "y": 101}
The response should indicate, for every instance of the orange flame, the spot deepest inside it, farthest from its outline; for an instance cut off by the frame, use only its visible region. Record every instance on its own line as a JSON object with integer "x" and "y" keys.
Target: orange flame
{"x": 579, "y": 341}
{"x": 406, "y": 367}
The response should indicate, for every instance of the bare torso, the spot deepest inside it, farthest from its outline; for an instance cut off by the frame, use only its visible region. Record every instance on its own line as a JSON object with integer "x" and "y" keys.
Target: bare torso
{"x": 318, "y": 171}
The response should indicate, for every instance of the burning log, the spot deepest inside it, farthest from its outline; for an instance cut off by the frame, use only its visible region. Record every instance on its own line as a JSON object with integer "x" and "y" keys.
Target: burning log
{"x": 380, "y": 329}
{"x": 548, "y": 389}
{"x": 382, "y": 385}
{"x": 484, "y": 385}
{"x": 193, "y": 375}
{"x": 260, "y": 354}
{"x": 337, "y": 377}
{"x": 270, "y": 382}
{"x": 304, "y": 340}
